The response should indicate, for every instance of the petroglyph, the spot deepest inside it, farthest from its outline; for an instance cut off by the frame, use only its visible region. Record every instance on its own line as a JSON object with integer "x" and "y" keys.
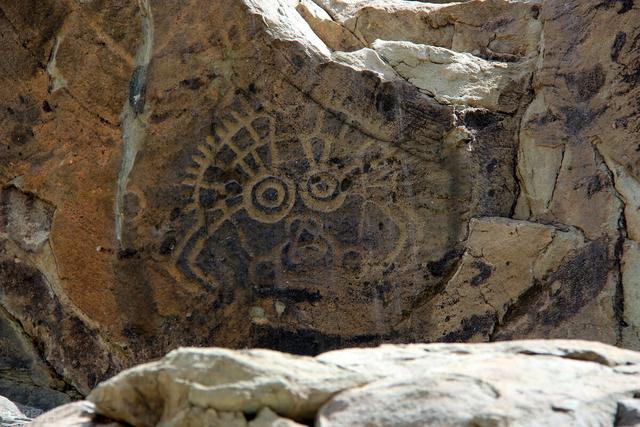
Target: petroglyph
{"x": 277, "y": 207}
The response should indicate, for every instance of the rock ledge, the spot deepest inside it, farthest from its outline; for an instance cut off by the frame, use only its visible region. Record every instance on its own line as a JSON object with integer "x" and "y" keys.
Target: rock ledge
{"x": 518, "y": 383}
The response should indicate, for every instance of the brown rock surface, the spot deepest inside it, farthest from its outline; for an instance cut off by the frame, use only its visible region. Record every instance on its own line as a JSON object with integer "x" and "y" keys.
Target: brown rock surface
{"x": 305, "y": 175}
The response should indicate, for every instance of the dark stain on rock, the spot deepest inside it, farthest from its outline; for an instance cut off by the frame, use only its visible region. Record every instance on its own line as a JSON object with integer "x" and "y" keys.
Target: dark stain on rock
{"x": 308, "y": 342}
{"x": 25, "y": 282}
{"x": 352, "y": 261}
{"x": 595, "y": 184}
{"x": 543, "y": 120}
{"x": 444, "y": 265}
{"x": 490, "y": 55}
{"x": 484, "y": 272}
{"x": 193, "y": 84}
{"x": 46, "y": 107}
{"x": 586, "y": 84}
{"x": 472, "y": 326}
{"x": 422, "y": 117}
{"x": 376, "y": 290}
{"x": 160, "y": 117}
{"x": 632, "y": 77}
{"x": 543, "y": 306}
{"x": 21, "y": 134}
{"x": 290, "y": 294}
{"x": 224, "y": 258}
{"x": 26, "y": 113}
{"x": 535, "y": 11}
{"x": 134, "y": 295}
{"x": 509, "y": 98}
{"x": 43, "y": 22}
{"x": 383, "y": 288}
{"x": 577, "y": 118}
{"x": 386, "y": 103}
{"x": 168, "y": 244}
{"x": 627, "y": 413}
{"x": 625, "y": 5}
{"x": 491, "y": 166}
{"x": 127, "y": 253}
{"x": 175, "y": 214}
{"x": 479, "y": 118}
{"x": 618, "y": 44}
{"x": 24, "y": 288}
{"x": 582, "y": 278}
{"x": 297, "y": 61}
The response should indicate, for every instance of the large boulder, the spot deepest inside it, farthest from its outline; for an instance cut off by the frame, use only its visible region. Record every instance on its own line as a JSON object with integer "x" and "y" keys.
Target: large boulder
{"x": 306, "y": 175}
{"x": 520, "y": 383}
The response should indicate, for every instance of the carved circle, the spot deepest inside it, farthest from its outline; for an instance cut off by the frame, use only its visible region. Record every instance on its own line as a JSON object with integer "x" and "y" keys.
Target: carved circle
{"x": 323, "y": 186}
{"x": 269, "y": 198}
{"x": 321, "y": 191}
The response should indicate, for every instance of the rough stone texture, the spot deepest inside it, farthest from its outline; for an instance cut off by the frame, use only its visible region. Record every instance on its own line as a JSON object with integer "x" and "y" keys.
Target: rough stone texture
{"x": 519, "y": 383}
{"x": 81, "y": 414}
{"x": 306, "y": 175}
{"x": 520, "y": 279}
{"x": 504, "y": 390}
{"x": 10, "y": 414}
{"x": 630, "y": 267}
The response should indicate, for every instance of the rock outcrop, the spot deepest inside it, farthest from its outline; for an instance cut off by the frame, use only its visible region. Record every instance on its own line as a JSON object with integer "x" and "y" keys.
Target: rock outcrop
{"x": 306, "y": 175}
{"x": 525, "y": 383}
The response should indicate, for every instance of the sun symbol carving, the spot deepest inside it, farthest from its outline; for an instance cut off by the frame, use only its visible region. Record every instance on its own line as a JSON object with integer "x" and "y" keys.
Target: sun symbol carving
{"x": 272, "y": 206}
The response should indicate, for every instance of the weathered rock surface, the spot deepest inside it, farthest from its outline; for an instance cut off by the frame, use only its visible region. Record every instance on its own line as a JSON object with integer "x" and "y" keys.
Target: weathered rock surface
{"x": 11, "y": 414}
{"x": 310, "y": 174}
{"x": 81, "y": 413}
{"x": 519, "y": 383}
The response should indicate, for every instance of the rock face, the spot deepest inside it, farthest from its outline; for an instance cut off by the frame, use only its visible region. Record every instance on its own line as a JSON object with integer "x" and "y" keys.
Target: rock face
{"x": 304, "y": 175}
{"x": 519, "y": 383}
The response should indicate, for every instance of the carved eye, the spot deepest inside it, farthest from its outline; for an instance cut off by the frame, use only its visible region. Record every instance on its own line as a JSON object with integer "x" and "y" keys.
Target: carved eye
{"x": 321, "y": 191}
{"x": 323, "y": 186}
{"x": 269, "y": 198}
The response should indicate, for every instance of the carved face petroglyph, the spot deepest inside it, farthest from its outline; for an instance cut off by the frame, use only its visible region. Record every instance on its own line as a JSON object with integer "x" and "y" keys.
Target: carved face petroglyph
{"x": 277, "y": 207}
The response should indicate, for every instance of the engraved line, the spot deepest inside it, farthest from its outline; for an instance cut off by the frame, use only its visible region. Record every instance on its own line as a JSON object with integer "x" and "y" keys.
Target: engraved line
{"x": 402, "y": 236}
{"x": 308, "y": 151}
{"x": 246, "y": 168}
{"x": 326, "y": 150}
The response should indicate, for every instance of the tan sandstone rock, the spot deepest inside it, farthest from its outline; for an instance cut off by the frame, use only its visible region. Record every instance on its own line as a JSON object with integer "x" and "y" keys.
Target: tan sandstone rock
{"x": 80, "y": 414}
{"x": 519, "y": 279}
{"x": 224, "y": 381}
{"x": 456, "y": 78}
{"x": 520, "y": 383}
{"x": 506, "y": 390}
